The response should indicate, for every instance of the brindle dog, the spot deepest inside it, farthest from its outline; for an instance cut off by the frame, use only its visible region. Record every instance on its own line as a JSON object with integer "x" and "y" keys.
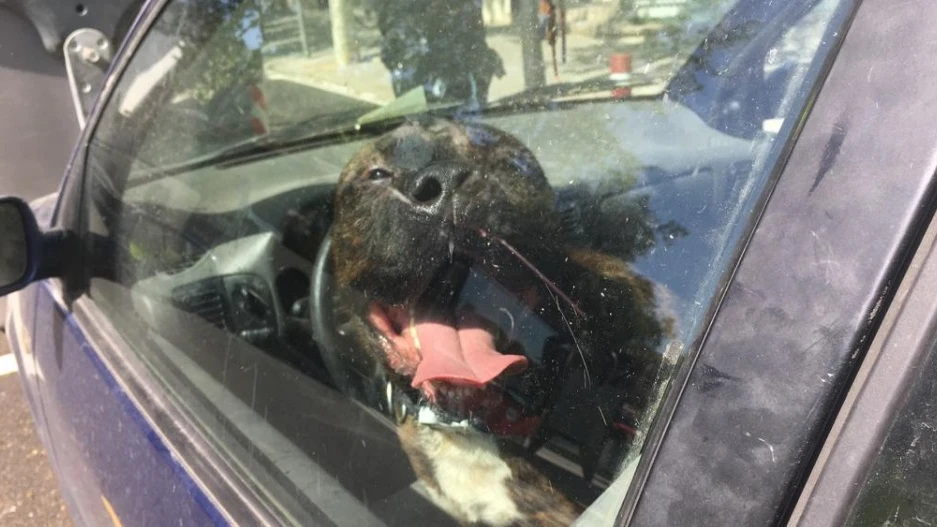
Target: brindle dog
{"x": 413, "y": 212}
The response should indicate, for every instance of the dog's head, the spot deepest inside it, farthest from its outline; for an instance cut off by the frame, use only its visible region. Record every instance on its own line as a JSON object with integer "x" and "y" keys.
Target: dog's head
{"x": 414, "y": 211}
{"x": 449, "y": 233}
{"x": 407, "y": 202}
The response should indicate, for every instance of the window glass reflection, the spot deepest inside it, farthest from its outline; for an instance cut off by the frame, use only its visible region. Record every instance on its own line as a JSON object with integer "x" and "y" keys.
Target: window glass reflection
{"x": 450, "y": 254}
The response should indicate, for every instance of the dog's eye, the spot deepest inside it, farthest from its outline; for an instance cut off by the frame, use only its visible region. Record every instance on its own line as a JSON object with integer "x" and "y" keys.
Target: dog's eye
{"x": 377, "y": 174}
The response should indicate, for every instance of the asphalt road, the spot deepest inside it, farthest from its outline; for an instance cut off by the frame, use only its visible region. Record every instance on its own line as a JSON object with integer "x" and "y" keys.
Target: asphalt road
{"x": 29, "y": 492}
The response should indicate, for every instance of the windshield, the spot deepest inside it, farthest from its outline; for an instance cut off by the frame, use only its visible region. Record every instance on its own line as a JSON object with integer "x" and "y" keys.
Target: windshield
{"x": 447, "y": 257}
{"x": 252, "y": 73}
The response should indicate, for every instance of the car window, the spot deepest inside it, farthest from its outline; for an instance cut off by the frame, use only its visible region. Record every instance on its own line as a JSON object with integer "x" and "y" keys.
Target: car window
{"x": 437, "y": 261}
{"x": 899, "y": 488}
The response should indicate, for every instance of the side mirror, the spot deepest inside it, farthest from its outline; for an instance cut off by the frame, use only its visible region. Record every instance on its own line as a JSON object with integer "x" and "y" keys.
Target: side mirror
{"x": 26, "y": 254}
{"x": 20, "y": 242}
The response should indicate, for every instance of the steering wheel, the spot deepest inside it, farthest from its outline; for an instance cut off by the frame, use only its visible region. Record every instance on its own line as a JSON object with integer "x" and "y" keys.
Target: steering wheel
{"x": 322, "y": 314}
{"x": 337, "y": 351}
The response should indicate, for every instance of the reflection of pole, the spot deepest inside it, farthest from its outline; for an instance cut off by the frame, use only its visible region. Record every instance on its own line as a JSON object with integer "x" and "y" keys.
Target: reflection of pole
{"x": 301, "y": 20}
{"x": 531, "y": 47}
{"x": 563, "y": 27}
{"x": 340, "y": 15}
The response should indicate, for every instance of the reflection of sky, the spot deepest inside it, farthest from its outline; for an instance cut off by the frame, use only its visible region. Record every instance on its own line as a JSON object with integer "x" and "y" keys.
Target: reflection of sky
{"x": 252, "y": 36}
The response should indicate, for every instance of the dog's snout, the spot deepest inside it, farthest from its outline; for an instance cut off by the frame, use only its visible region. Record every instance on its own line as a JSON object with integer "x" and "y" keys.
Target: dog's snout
{"x": 434, "y": 186}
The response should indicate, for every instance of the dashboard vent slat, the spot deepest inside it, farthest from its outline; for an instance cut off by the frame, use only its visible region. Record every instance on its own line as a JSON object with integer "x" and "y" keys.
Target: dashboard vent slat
{"x": 204, "y": 299}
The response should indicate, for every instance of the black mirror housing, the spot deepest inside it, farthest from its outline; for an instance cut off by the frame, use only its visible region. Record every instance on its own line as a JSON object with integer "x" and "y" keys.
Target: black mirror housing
{"x": 26, "y": 253}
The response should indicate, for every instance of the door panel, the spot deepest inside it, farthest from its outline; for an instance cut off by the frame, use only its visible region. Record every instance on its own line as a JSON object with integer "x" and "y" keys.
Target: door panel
{"x": 104, "y": 448}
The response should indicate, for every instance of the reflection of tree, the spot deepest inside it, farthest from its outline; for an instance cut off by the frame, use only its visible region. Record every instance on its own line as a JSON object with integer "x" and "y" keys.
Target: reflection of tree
{"x": 678, "y": 36}
{"x": 228, "y": 31}
{"x": 709, "y": 59}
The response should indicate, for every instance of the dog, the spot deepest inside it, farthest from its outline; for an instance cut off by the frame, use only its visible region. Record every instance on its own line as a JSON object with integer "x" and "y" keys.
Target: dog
{"x": 417, "y": 214}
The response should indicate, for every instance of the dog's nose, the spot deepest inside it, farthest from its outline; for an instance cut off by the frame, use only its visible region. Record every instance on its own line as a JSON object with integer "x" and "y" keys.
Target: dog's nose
{"x": 432, "y": 187}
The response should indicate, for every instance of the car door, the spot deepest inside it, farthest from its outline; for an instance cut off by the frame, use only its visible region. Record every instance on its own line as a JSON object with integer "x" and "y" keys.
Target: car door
{"x": 178, "y": 383}
{"x": 876, "y": 464}
{"x": 110, "y": 461}
{"x": 104, "y": 452}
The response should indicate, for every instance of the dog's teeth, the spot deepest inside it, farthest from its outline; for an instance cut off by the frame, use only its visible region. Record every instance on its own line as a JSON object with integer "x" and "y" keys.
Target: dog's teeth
{"x": 413, "y": 333}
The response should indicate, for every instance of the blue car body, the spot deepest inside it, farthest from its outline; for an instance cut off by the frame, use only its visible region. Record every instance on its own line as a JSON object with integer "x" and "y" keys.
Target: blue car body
{"x": 102, "y": 447}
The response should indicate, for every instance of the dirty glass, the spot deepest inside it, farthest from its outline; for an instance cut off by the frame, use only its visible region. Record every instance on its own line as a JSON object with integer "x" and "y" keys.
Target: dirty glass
{"x": 409, "y": 262}
{"x": 900, "y": 487}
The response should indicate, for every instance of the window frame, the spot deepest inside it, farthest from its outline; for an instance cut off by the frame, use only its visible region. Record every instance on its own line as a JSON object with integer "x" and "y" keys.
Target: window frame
{"x": 875, "y": 400}
{"x": 838, "y": 158}
{"x": 205, "y": 462}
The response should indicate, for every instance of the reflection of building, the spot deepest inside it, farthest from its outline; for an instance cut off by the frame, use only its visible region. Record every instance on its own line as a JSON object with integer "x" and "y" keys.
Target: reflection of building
{"x": 585, "y": 16}
{"x": 658, "y": 9}
{"x": 496, "y": 12}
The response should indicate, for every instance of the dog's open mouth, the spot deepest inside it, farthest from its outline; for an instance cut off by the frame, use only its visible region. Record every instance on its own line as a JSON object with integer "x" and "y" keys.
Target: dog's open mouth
{"x": 460, "y": 341}
{"x": 453, "y": 361}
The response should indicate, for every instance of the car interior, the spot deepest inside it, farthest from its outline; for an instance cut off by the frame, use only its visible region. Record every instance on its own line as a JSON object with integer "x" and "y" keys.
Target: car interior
{"x": 225, "y": 266}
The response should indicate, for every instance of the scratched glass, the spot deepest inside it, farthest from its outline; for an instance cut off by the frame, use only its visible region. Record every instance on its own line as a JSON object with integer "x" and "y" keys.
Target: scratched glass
{"x": 411, "y": 262}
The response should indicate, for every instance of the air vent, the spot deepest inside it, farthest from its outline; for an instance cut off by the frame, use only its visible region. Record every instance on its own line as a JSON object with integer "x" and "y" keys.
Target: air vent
{"x": 204, "y": 299}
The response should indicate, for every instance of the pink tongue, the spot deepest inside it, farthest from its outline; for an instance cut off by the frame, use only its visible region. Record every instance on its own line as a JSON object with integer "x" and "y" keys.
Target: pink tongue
{"x": 460, "y": 355}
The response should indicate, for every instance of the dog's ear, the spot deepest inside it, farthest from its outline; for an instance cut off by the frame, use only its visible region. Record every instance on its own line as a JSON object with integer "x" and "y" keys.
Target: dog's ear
{"x": 623, "y": 320}
{"x": 615, "y": 297}
{"x": 608, "y": 267}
